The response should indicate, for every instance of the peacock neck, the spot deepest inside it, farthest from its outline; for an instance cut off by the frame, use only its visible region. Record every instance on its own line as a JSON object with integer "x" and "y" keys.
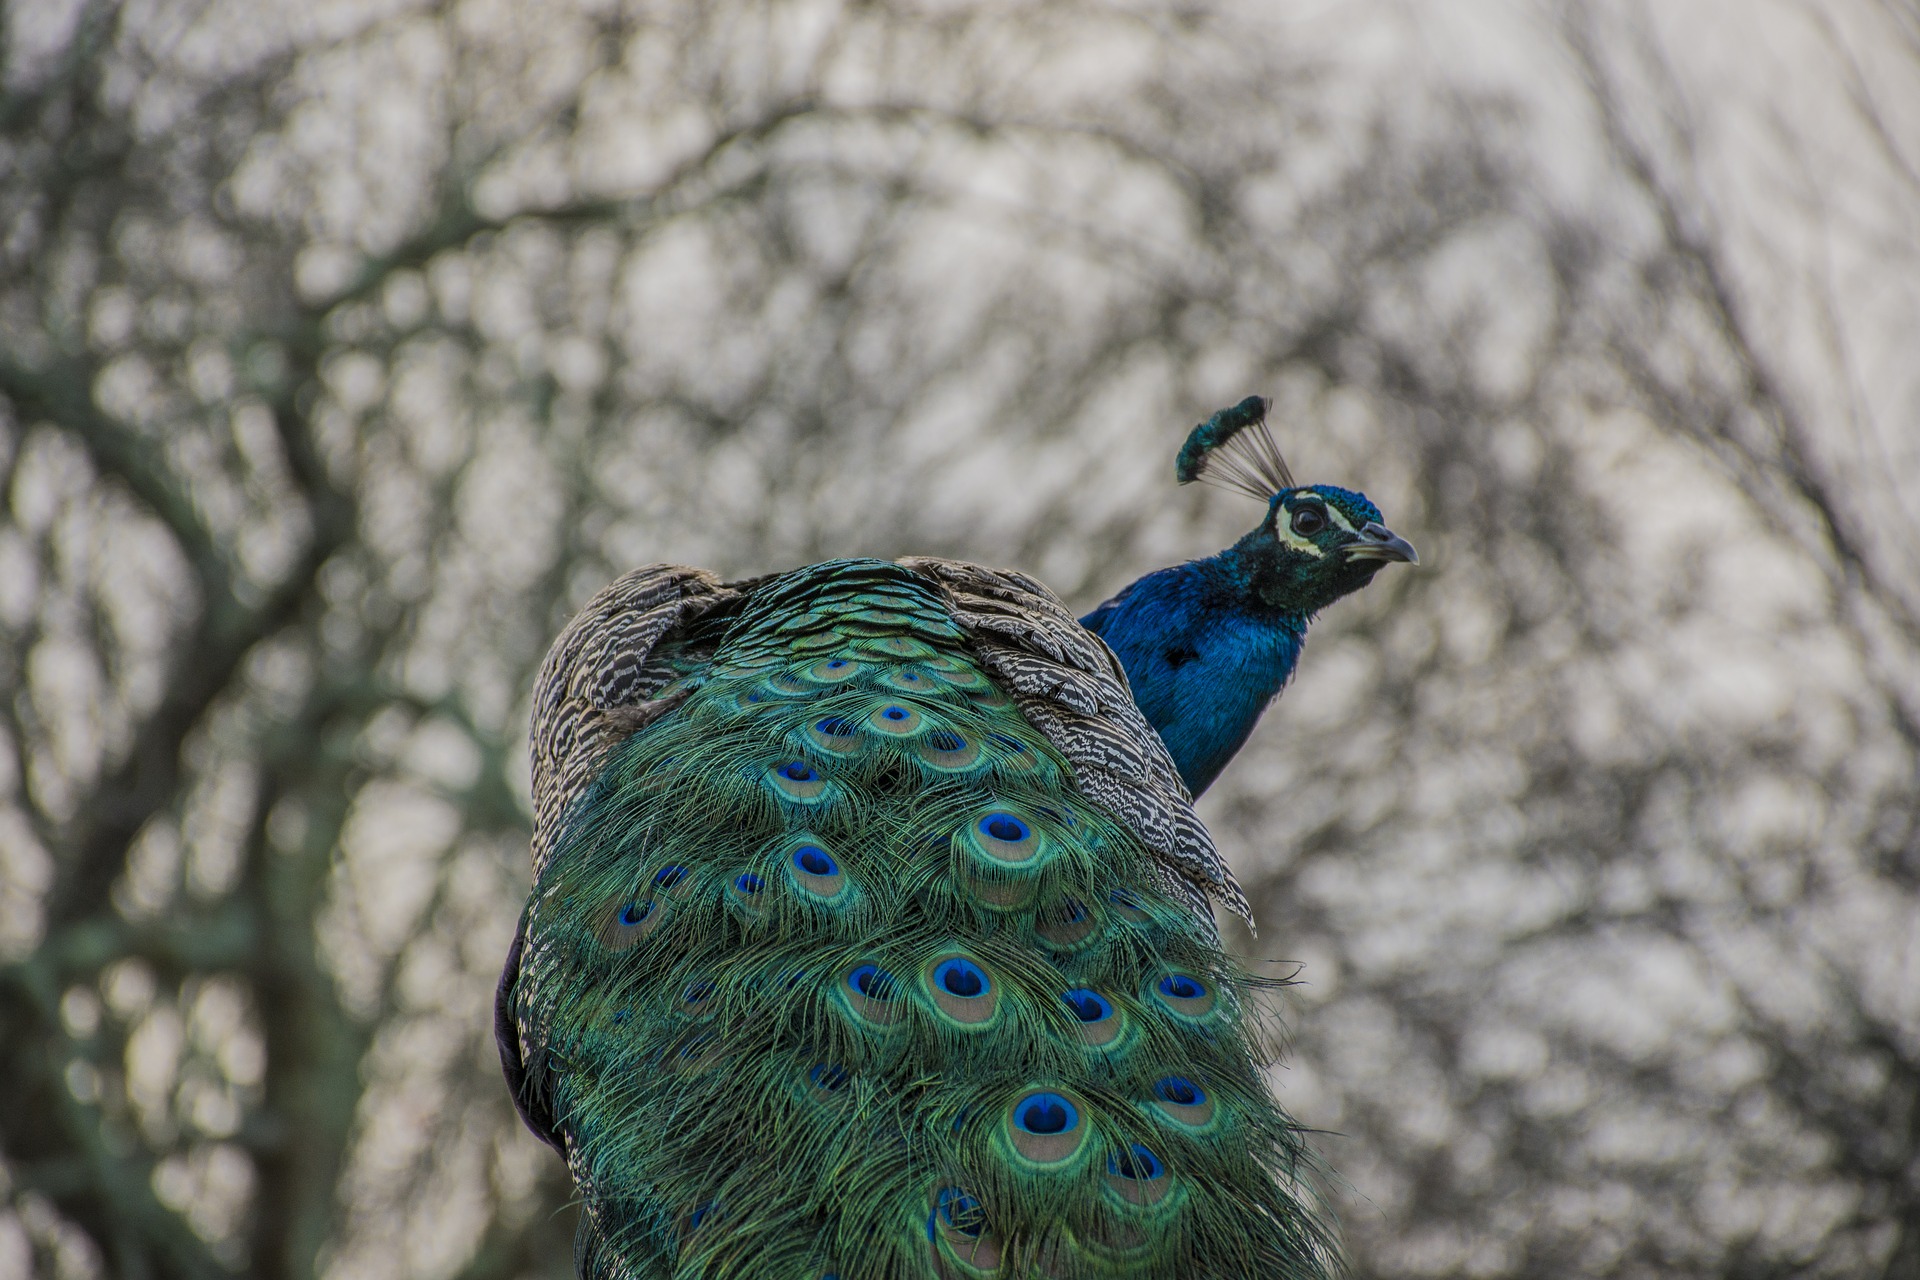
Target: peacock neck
{"x": 1205, "y": 652}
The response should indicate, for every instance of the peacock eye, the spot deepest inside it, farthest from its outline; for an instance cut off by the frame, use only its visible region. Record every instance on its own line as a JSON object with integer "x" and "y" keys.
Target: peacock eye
{"x": 1308, "y": 521}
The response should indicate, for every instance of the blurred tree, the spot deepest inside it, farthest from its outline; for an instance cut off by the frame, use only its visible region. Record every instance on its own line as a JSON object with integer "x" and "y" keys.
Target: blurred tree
{"x": 344, "y": 349}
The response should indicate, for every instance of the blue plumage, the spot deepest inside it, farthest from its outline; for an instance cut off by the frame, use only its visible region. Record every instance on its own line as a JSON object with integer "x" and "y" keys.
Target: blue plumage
{"x": 1202, "y": 658}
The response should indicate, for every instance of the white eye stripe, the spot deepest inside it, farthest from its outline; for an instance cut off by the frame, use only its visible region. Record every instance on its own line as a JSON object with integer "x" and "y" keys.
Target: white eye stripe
{"x": 1297, "y": 542}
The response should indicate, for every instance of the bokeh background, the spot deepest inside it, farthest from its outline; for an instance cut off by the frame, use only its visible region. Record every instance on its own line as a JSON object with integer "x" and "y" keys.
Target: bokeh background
{"x": 346, "y": 347}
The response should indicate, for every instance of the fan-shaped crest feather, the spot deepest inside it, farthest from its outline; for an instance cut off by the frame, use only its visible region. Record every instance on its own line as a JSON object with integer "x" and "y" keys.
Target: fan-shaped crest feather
{"x": 1235, "y": 450}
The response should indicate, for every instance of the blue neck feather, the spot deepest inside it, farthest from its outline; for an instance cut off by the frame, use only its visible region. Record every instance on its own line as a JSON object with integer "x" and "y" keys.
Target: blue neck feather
{"x": 1204, "y": 655}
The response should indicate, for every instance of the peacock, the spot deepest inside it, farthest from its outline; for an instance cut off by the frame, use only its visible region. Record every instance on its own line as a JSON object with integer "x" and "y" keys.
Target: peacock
{"x": 871, "y": 929}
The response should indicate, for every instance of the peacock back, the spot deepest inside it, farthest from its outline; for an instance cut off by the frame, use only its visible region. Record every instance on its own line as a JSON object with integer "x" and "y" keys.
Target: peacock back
{"x": 869, "y": 939}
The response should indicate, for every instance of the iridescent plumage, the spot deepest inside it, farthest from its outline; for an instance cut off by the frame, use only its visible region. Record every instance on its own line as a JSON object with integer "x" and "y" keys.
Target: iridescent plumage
{"x": 871, "y": 936}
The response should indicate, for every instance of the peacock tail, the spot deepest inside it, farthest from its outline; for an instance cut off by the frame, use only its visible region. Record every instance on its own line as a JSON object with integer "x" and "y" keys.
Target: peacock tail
{"x": 870, "y": 938}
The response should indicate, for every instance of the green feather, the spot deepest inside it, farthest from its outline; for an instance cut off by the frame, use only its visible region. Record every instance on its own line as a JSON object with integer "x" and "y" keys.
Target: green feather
{"x": 801, "y": 961}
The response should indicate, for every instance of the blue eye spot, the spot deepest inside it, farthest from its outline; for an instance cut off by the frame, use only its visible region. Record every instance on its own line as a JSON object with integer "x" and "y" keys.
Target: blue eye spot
{"x": 830, "y": 1076}
{"x": 894, "y": 713}
{"x": 1137, "y": 1163}
{"x": 1045, "y": 1114}
{"x": 798, "y": 771}
{"x": 1004, "y": 827}
{"x": 961, "y": 978}
{"x": 696, "y": 992}
{"x": 667, "y": 877}
{"x": 813, "y": 860}
{"x": 1011, "y": 744}
{"x": 748, "y": 883}
{"x": 1180, "y": 1091}
{"x": 836, "y": 664}
{"x": 961, "y": 1212}
{"x": 835, "y": 727}
{"x": 635, "y": 912}
{"x": 942, "y": 740}
{"x": 1076, "y": 911}
{"x": 872, "y": 981}
{"x": 699, "y": 1216}
{"x": 1179, "y": 986}
{"x": 1088, "y": 1006}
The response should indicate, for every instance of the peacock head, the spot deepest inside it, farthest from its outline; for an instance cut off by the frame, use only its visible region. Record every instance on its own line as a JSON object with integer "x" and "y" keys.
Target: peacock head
{"x": 1318, "y": 542}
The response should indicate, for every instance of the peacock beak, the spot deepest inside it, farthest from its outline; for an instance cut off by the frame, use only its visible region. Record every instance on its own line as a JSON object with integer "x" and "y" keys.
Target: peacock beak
{"x": 1377, "y": 542}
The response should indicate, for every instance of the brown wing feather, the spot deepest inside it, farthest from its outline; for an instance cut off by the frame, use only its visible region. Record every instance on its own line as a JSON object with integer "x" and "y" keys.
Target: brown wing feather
{"x": 597, "y": 683}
